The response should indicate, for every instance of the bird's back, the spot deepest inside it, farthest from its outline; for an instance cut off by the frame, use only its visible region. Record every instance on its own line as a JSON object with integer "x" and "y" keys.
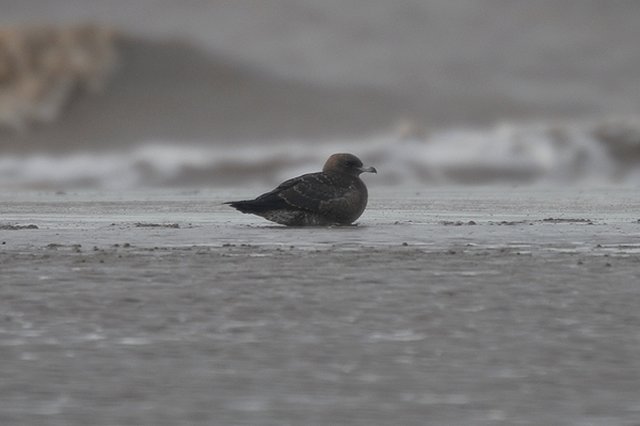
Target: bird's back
{"x": 321, "y": 198}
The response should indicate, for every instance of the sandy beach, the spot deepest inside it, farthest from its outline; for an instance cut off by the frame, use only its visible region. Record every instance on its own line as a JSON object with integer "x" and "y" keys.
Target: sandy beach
{"x": 492, "y": 280}
{"x": 446, "y": 306}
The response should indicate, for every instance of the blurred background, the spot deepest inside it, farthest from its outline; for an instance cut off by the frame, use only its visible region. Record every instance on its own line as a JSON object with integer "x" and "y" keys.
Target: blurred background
{"x": 121, "y": 94}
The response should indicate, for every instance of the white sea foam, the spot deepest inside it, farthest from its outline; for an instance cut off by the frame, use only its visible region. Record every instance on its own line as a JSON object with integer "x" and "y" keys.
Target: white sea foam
{"x": 505, "y": 153}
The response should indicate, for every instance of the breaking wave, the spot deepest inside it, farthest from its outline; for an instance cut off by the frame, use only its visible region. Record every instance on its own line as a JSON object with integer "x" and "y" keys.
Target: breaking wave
{"x": 527, "y": 154}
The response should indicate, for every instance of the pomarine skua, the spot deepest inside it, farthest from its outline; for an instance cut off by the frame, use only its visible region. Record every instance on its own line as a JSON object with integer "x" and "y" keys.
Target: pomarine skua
{"x": 334, "y": 196}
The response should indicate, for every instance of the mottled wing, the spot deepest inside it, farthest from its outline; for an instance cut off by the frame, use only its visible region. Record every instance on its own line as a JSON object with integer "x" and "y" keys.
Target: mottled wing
{"x": 313, "y": 192}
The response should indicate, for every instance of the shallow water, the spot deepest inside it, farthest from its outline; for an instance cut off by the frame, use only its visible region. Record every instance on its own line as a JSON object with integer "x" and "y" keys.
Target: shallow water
{"x": 585, "y": 153}
{"x": 443, "y": 306}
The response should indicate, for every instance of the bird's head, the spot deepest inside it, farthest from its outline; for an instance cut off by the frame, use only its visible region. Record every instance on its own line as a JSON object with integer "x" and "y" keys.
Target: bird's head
{"x": 346, "y": 163}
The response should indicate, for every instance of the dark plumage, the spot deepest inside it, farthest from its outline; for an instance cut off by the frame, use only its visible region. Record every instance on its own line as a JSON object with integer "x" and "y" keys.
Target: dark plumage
{"x": 334, "y": 196}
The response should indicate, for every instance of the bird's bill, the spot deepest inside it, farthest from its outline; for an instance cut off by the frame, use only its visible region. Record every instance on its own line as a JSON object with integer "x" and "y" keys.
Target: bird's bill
{"x": 368, "y": 170}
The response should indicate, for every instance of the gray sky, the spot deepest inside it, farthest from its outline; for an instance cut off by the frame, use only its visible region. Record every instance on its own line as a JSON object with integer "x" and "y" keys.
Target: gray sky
{"x": 572, "y": 55}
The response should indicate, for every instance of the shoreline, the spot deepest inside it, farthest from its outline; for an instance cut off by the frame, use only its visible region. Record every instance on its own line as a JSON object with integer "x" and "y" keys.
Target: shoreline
{"x": 170, "y": 308}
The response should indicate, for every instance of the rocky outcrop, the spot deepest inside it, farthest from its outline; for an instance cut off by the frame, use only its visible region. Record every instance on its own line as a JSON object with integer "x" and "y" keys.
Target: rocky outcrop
{"x": 42, "y": 68}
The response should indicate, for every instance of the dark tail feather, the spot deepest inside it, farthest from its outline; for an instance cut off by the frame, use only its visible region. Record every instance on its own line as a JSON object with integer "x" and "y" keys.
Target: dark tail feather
{"x": 264, "y": 203}
{"x": 247, "y": 206}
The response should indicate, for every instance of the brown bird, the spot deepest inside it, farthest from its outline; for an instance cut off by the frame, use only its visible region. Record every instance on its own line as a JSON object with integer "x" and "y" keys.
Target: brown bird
{"x": 334, "y": 196}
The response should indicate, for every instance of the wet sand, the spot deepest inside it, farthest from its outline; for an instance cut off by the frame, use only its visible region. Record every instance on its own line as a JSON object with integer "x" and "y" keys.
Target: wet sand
{"x": 443, "y": 306}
